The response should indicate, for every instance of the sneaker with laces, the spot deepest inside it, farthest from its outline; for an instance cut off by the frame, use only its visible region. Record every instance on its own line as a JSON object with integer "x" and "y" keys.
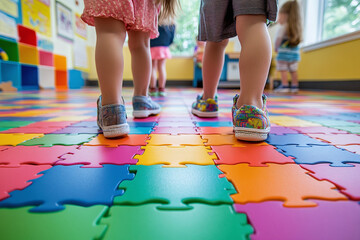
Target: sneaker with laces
{"x": 111, "y": 119}
{"x": 205, "y": 108}
{"x": 144, "y": 106}
{"x": 251, "y": 123}
{"x": 294, "y": 89}
{"x": 153, "y": 92}
{"x": 282, "y": 89}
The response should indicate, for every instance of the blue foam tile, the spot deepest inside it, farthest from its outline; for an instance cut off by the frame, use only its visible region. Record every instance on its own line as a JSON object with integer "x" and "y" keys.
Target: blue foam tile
{"x": 293, "y": 139}
{"x": 214, "y": 124}
{"x": 142, "y": 124}
{"x": 141, "y": 130}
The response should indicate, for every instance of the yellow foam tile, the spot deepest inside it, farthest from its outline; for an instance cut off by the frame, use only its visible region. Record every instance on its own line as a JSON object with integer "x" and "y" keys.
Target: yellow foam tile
{"x": 16, "y": 138}
{"x": 11, "y": 107}
{"x": 285, "y": 110}
{"x": 287, "y": 121}
{"x": 68, "y": 118}
{"x": 175, "y": 140}
{"x": 176, "y": 156}
{"x": 218, "y": 140}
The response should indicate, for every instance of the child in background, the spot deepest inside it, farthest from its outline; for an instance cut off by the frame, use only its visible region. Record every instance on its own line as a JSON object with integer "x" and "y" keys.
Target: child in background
{"x": 287, "y": 42}
{"x": 113, "y": 20}
{"x": 219, "y": 21}
{"x": 199, "y": 53}
{"x": 160, "y": 51}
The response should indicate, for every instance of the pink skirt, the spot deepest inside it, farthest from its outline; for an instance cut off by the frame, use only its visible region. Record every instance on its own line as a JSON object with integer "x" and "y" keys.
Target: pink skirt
{"x": 158, "y": 53}
{"x": 138, "y": 15}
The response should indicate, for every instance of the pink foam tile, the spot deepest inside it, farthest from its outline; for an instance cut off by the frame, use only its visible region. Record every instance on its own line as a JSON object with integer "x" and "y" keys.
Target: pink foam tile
{"x": 347, "y": 179}
{"x": 177, "y": 119}
{"x": 282, "y": 130}
{"x": 352, "y": 148}
{"x": 176, "y": 124}
{"x": 2, "y": 148}
{"x": 216, "y": 130}
{"x": 217, "y": 119}
{"x": 175, "y": 130}
{"x": 33, "y": 130}
{"x": 19, "y": 155}
{"x": 148, "y": 119}
{"x": 325, "y": 130}
{"x": 17, "y": 178}
{"x": 330, "y": 220}
{"x": 338, "y": 139}
{"x": 45, "y": 124}
{"x": 95, "y": 156}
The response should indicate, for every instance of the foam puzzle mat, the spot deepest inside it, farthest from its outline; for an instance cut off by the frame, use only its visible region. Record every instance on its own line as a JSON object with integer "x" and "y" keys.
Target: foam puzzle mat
{"x": 178, "y": 176}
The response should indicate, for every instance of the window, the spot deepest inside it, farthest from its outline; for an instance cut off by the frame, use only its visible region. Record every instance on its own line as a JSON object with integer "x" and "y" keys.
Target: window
{"x": 186, "y": 28}
{"x": 340, "y": 17}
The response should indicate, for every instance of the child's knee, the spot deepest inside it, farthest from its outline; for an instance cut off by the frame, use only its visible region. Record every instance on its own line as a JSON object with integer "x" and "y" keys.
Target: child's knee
{"x": 222, "y": 44}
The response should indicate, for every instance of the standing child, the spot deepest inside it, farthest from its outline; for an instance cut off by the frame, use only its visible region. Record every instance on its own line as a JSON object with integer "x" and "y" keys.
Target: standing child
{"x": 160, "y": 51}
{"x": 287, "y": 45}
{"x": 113, "y": 20}
{"x": 223, "y": 19}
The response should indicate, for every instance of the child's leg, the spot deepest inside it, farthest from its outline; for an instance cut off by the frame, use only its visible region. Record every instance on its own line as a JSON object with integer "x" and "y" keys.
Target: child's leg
{"x": 153, "y": 74}
{"x": 139, "y": 43}
{"x": 109, "y": 59}
{"x": 255, "y": 58}
{"x": 162, "y": 73}
{"x": 294, "y": 79}
{"x": 213, "y": 62}
{"x": 284, "y": 78}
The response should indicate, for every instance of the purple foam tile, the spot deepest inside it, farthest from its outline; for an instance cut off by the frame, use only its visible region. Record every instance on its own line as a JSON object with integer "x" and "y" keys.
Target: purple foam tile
{"x": 306, "y": 130}
{"x": 32, "y": 130}
{"x": 95, "y": 156}
{"x": 330, "y": 220}
{"x": 282, "y": 130}
{"x": 77, "y": 130}
{"x": 347, "y": 179}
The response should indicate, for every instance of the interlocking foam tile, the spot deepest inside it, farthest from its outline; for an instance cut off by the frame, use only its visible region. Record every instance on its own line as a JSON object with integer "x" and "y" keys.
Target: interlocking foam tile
{"x": 4, "y": 129}
{"x": 77, "y": 130}
{"x": 89, "y": 124}
{"x": 217, "y": 119}
{"x": 27, "y": 129}
{"x": 214, "y": 124}
{"x": 16, "y": 138}
{"x": 288, "y": 183}
{"x": 14, "y": 124}
{"x": 74, "y": 223}
{"x": 2, "y": 148}
{"x": 293, "y": 139}
{"x": 148, "y": 119}
{"x": 175, "y": 188}
{"x": 17, "y": 178}
{"x": 218, "y": 140}
{"x": 255, "y": 156}
{"x": 140, "y": 130}
{"x": 96, "y": 156}
{"x": 178, "y": 140}
{"x": 338, "y": 139}
{"x": 175, "y": 131}
{"x": 19, "y": 155}
{"x": 324, "y": 120}
{"x": 131, "y": 140}
{"x": 68, "y": 118}
{"x": 71, "y": 185}
{"x": 176, "y": 156}
{"x": 282, "y": 130}
{"x": 176, "y": 124}
{"x": 201, "y": 222}
{"x": 44, "y": 124}
{"x": 351, "y": 129}
{"x": 32, "y": 119}
{"x": 60, "y": 139}
{"x": 352, "y": 148}
{"x": 291, "y": 122}
{"x": 142, "y": 124}
{"x": 329, "y": 220}
{"x": 177, "y": 119}
{"x": 29, "y": 113}
{"x": 347, "y": 179}
{"x": 320, "y": 154}
{"x": 326, "y": 130}
{"x": 216, "y": 130}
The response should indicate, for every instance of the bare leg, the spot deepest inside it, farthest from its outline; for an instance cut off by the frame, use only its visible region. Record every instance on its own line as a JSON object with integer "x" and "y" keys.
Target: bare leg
{"x": 255, "y": 58}
{"x": 213, "y": 62}
{"x": 139, "y": 45}
{"x": 109, "y": 58}
{"x": 162, "y": 73}
{"x": 294, "y": 79}
{"x": 153, "y": 74}
{"x": 284, "y": 78}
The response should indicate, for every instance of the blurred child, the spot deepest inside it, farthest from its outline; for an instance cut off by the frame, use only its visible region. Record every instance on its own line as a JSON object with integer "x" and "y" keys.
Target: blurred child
{"x": 219, "y": 21}
{"x": 160, "y": 51}
{"x": 113, "y": 20}
{"x": 199, "y": 53}
{"x": 287, "y": 45}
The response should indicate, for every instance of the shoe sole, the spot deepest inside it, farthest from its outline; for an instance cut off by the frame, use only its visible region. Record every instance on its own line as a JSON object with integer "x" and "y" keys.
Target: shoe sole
{"x": 252, "y": 135}
{"x": 116, "y": 130}
{"x": 145, "y": 113}
{"x": 204, "y": 114}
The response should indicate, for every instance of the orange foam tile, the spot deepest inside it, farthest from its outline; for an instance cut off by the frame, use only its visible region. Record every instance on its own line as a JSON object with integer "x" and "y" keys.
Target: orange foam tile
{"x": 175, "y": 140}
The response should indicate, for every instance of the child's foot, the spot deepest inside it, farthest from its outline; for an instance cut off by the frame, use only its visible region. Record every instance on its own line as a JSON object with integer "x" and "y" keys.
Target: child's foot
{"x": 294, "y": 89}
{"x": 143, "y": 107}
{"x": 162, "y": 92}
{"x": 205, "y": 108}
{"x": 282, "y": 89}
{"x": 153, "y": 92}
{"x": 111, "y": 119}
{"x": 250, "y": 123}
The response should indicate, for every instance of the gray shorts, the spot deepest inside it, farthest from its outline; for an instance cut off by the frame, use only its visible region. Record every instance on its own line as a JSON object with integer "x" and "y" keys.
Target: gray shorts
{"x": 218, "y": 17}
{"x": 287, "y": 66}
